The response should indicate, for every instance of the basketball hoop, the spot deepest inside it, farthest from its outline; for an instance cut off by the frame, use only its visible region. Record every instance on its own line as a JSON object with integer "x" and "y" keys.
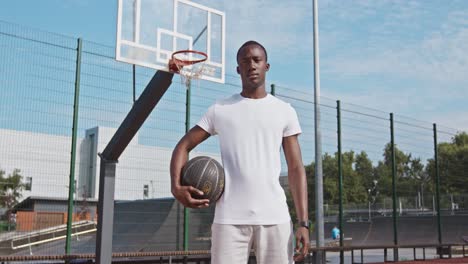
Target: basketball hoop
{"x": 189, "y": 64}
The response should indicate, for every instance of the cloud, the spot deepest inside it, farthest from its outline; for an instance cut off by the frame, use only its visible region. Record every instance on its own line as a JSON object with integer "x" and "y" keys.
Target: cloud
{"x": 449, "y": 121}
{"x": 406, "y": 56}
{"x": 279, "y": 26}
{"x": 399, "y": 45}
{"x": 423, "y": 72}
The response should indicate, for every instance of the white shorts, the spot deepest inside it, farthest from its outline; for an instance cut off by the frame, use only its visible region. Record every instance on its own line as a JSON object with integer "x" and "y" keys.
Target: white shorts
{"x": 272, "y": 244}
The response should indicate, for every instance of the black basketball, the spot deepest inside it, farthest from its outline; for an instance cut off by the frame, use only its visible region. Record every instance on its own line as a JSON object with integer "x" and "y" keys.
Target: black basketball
{"x": 205, "y": 174}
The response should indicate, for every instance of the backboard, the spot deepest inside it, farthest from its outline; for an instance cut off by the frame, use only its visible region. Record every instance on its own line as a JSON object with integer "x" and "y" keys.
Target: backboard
{"x": 149, "y": 31}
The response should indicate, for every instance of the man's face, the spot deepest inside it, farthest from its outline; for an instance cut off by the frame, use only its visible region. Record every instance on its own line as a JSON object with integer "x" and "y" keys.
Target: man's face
{"x": 252, "y": 66}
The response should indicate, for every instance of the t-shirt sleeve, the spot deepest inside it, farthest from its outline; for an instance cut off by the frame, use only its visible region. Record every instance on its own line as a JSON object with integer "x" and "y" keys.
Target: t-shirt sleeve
{"x": 207, "y": 121}
{"x": 292, "y": 123}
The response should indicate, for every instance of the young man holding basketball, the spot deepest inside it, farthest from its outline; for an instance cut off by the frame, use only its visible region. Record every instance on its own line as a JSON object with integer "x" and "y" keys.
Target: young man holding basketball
{"x": 252, "y": 127}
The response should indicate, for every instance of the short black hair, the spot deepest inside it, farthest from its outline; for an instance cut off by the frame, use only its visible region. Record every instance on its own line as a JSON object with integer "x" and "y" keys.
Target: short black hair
{"x": 252, "y": 42}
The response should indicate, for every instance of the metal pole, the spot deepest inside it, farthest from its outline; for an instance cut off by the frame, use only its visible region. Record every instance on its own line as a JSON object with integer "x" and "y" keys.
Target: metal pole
{"x": 318, "y": 144}
{"x": 370, "y": 220}
{"x": 273, "y": 90}
{"x": 452, "y": 205}
{"x": 134, "y": 82}
{"x": 71, "y": 185}
{"x": 105, "y": 224}
{"x": 340, "y": 179}
{"x": 141, "y": 109}
{"x": 436, "y": 161}
{"x": 188, "y": 86}
{"x": 394, "y": 172}
{"x": 187, "y": 128}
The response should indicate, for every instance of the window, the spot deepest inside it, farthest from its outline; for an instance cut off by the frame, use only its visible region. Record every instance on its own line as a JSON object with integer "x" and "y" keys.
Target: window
{"x": 28, "y": 184}
{"x": 145, "y": 191}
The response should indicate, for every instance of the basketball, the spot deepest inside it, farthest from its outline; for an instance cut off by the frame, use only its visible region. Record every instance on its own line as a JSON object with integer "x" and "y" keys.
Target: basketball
{"x": 205, "y": 174}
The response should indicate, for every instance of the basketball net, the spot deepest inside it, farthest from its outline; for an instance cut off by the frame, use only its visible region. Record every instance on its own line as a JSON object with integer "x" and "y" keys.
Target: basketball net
{"x": 189, "y": 64}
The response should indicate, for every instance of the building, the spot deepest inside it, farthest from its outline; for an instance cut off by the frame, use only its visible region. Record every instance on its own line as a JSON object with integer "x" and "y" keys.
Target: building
{"x": 44, "y": 162}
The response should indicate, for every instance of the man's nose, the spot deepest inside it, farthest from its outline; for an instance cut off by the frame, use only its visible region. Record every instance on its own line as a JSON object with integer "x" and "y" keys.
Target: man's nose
{"x": 252, "y": 65}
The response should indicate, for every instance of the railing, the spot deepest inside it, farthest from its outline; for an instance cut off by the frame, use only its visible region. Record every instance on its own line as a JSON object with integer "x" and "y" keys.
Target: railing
{"x": 442, "y": 250}
{"x": 51, "y": 234}
{"x": 203, "y": 256}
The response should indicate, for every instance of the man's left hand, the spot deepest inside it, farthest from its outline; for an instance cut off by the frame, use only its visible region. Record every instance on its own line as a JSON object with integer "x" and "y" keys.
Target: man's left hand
{"x": 302, "y": 244}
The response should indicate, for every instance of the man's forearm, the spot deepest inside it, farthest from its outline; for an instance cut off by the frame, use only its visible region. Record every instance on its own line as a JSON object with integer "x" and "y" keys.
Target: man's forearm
{"x": 298, "y": 187}
{"x": 179, "y": 157}
{"x": 195, "y": 136}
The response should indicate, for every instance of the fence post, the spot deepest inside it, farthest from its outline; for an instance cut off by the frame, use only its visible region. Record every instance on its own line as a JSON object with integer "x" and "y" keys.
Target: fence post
{"x": 71, "y": 185}
{"x": 437, "y": 178}
{"x": 187, "y": 128}
{"x": 394, "y": 172}
{"x": 340, "y": 178}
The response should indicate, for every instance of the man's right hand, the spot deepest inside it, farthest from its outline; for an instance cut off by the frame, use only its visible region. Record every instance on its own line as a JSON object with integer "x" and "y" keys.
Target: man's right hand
{"x": 186, "y": 196}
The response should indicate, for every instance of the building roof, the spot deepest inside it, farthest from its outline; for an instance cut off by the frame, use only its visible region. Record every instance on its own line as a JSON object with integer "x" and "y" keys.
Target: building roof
{"x": 27, "y": 204}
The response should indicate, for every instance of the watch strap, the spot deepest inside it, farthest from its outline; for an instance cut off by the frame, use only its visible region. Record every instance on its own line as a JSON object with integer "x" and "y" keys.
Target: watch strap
{"x": 305, "y": 224}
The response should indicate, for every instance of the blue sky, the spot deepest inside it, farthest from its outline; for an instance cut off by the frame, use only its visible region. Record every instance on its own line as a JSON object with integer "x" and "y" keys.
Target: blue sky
{"x": 402, "y": 56}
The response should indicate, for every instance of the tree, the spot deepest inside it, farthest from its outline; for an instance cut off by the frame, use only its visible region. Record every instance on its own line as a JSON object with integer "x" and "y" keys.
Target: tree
{"x": 10, "y": 190}
{"x": 330, "y": 179}
{"x": 364, "y": 168}
{"x": 402, "y": 160}
{"x": 412, "y": 177}
{"x": 409, "y": 172}
{"x": 453, "y": 165}
{"x": 354, "y": 190}
{"x": 383, "y": 176}
{"x": 310, "y": 171}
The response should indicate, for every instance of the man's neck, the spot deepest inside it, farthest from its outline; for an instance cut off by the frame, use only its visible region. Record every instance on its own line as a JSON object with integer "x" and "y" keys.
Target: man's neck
{"x": 256, "y": 93}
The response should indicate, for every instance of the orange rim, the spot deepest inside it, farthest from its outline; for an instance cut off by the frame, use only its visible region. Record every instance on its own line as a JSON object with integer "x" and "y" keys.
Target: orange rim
{"x": 188, "y": 62}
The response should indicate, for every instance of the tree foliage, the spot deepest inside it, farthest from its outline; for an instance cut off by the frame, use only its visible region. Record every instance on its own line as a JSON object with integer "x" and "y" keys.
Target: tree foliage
{"x": 363, "y": 181}
{"x": 10, "y": 189}
{"x": 453, "y": 165}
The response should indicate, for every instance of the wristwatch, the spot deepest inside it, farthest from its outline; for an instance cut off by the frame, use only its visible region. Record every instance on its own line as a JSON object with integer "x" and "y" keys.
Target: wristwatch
{"x": 305, "y": 224}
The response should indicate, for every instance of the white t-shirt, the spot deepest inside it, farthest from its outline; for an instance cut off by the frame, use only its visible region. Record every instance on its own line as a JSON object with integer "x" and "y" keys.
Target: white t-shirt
{"x": 250, "y": 135}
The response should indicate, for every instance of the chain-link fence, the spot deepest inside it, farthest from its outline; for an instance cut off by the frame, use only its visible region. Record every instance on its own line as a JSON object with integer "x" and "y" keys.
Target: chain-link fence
{"x": 389, "y": 191}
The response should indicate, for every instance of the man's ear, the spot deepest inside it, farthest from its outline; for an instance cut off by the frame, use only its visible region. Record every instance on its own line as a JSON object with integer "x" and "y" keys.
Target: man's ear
{"x": 238, "y": 71}
{"x": 267, "y": 66}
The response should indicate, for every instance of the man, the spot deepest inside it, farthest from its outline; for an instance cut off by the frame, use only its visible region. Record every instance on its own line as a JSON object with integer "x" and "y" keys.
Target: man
{"x": 252, "y": 212}
{"x": 335, "y": 233}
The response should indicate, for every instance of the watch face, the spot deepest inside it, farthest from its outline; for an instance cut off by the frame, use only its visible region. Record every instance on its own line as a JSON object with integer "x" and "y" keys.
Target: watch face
{"x": 304, "y": 224}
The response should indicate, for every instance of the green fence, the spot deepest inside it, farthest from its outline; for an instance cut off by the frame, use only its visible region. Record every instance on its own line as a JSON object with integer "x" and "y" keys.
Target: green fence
{"x": 382, "y": 198}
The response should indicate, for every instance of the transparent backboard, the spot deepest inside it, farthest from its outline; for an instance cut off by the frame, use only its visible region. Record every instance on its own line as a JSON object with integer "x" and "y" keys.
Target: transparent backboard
{"x": 149, "y": 31}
